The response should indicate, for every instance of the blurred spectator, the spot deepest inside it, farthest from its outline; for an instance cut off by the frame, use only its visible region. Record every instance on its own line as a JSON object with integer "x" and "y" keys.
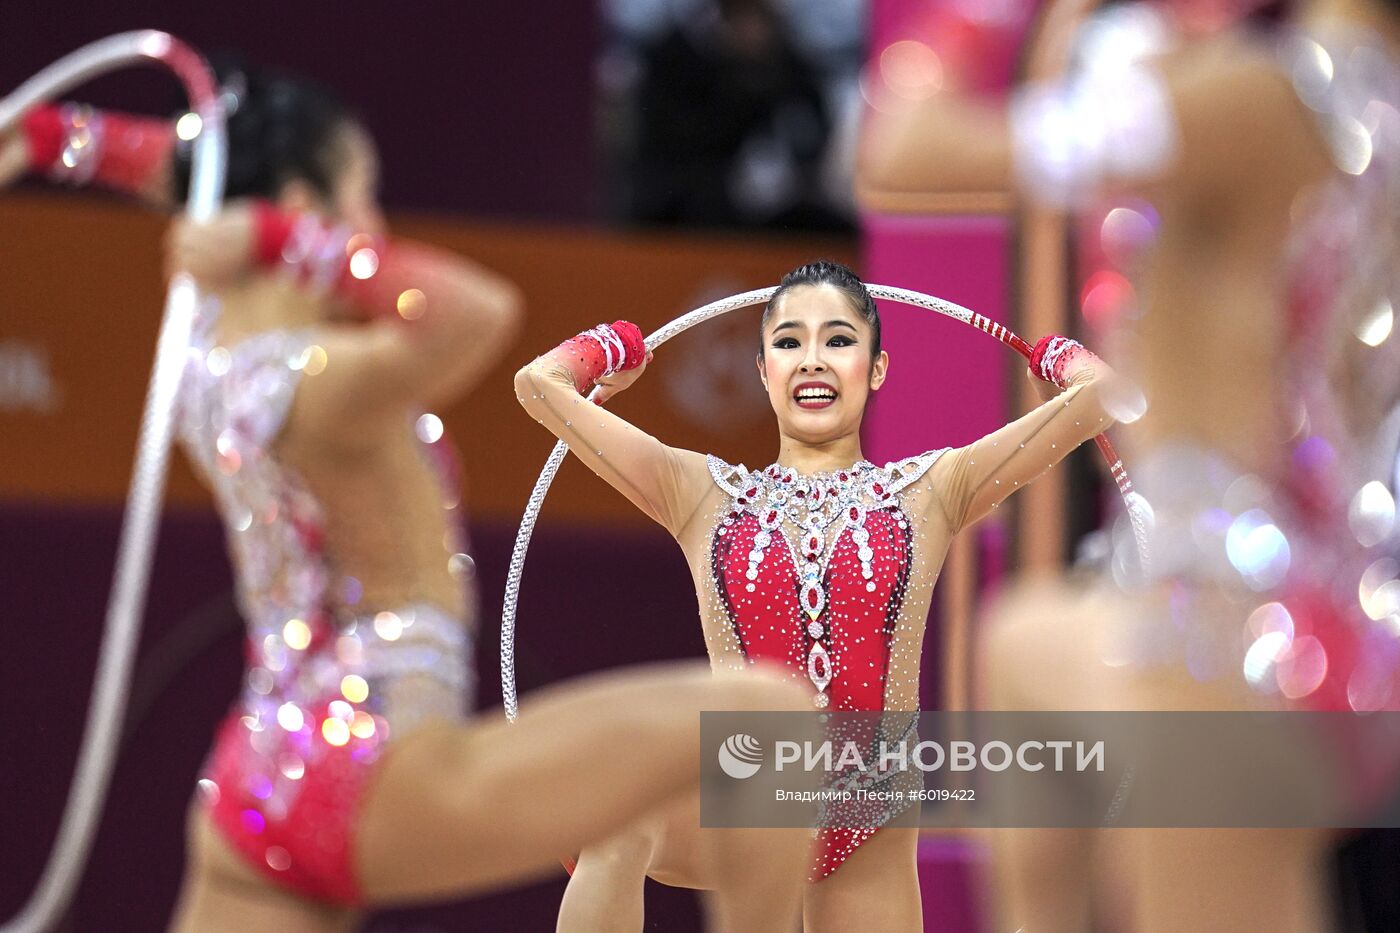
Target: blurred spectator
{"x": 723, "y": 113}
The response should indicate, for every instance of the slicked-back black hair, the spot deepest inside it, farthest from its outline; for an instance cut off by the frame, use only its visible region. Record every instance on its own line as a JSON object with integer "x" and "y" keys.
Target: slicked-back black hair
{"x": 839, "y": 277}
{"x": 281, "y": 127}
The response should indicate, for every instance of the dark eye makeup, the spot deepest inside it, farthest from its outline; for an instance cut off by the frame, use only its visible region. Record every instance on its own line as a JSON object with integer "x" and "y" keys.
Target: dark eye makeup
{"x": 790, "y": 343}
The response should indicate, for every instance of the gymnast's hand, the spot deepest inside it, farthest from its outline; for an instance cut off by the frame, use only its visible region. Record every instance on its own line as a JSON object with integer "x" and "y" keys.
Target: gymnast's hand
{"x": 214, "y": 252}
{"x": 1044, "y": 390}
{"x": 1058, "y": 362}
{"x": 14, "y": 157}
{"x": 608, "y": 386}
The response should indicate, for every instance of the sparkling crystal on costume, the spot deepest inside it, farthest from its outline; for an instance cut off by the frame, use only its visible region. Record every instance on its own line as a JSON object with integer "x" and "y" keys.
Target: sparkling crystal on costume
{"x": 832, "y": 596}
{"x": 819, "y": 670}
{"x": 809, "y": 606}
{"x": 830, "y": 512}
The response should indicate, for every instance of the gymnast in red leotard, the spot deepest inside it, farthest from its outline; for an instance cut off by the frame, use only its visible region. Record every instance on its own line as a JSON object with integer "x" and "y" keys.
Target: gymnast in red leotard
{"x": 822, "y": 561}
{"x": 348, "y": 774}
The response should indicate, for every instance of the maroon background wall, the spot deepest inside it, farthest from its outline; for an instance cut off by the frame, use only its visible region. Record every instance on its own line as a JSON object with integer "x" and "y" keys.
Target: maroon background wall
{"x": 478, "y": 107}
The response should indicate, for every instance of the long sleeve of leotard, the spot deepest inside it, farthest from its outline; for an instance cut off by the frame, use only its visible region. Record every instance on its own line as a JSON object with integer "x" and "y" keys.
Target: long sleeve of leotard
{"x": 971, "y": 481}
{"x": 658, "y": 479}
{"x": 79, "y": 145}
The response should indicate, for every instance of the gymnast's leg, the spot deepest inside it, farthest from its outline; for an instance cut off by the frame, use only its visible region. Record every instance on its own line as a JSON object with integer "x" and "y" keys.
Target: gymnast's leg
{"x": 459, "y": 810}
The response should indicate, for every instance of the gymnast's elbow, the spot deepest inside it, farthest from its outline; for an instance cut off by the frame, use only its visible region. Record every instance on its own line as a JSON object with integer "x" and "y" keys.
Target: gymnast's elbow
{"x": 503, "y": 314}
{"x": 526, "y": 387}
{"x": 490, "y": 311}
{"x": 532, "y": 384}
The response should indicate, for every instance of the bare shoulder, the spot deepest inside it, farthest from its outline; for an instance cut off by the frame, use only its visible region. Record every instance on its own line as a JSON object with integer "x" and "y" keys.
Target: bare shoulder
{"x": 1240, "y": 119}
{"x": 1216, "y": 74}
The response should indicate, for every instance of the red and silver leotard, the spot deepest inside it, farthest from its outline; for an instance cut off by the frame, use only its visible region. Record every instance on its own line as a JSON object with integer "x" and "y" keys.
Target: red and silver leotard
{"x": 835, "y": 588}
{"x": 329, "y": 679}
{"x": 329, "y": 676}
{"x": 830, "y": 574}
{"x": 823, "y": 597}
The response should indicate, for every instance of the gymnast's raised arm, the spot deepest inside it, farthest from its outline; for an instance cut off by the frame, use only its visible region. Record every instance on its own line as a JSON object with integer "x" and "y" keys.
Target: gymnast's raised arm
{"x": 971, "y": 481}
{"x": 666, "y": 483}
{"x": 1188, "y": 126}
{"x": 77, "y": 145}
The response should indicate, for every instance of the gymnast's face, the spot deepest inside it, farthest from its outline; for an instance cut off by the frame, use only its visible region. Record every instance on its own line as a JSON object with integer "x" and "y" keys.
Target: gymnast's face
{"x": 816, "y": 364}
{"x": 355, "y": 191}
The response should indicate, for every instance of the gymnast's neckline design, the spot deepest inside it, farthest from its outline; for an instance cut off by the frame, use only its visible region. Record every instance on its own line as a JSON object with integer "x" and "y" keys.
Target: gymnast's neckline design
{"x": 842, "y": 517}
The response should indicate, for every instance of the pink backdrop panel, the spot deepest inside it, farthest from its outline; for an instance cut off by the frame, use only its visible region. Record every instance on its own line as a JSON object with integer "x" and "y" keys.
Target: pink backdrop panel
{"x": 947, "y": 382}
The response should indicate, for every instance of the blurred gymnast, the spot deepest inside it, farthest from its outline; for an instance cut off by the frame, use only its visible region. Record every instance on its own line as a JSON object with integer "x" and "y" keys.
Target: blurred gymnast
{"x": 1265, "y": 351}
{"x": 348, "y": 775}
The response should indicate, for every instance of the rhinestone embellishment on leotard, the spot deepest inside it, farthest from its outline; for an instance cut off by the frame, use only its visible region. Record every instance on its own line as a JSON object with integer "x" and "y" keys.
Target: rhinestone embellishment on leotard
{"x": 813, "y": 505}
